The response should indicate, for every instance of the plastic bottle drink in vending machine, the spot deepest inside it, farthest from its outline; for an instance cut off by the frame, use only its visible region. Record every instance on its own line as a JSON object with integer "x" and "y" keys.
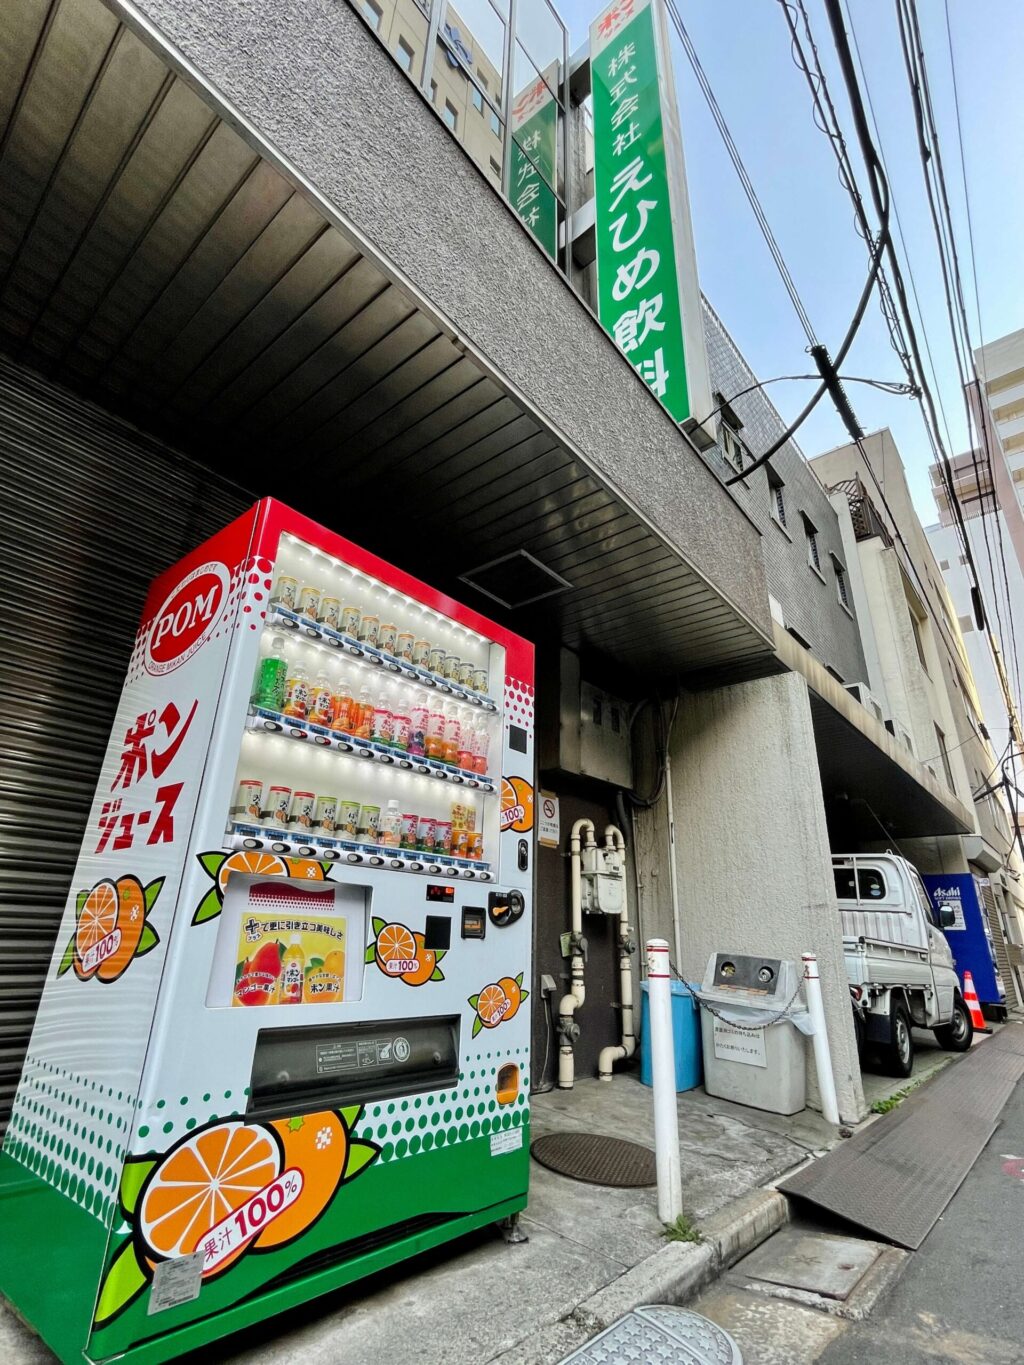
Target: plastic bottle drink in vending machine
{"x": 401, "y": 720}
{"x": 363, "y": 726}
{"x": 383, "y": 731}
{"x": 293, "y": 972}
{"x": 321, "y": 701}
{"x": 271, "y": 677}
{"x": 391, "y": 825}
{"x": 341, "y": 718}
{"x": 452, "y": 732}
{"x": 296, "y": 692}
{"x": 481, "y": 740}
{"x": 418, "y": 713}
{"x": 435, "y": 731}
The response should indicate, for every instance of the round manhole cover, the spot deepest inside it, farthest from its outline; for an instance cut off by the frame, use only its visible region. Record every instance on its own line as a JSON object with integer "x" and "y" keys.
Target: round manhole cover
{"x": 596, "y": 1159}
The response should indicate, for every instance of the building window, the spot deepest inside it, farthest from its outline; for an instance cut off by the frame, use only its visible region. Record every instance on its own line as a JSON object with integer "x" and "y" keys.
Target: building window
{"x": 777, "y": 497}
{"x": 477, "y": 98}
{"x": 404, "y": 55}
{"x": 813, "y": 552}
{"x": 433, "y": 92}
{"x": 733, "y": 447}
{"x": 450, "y": 115}
{"x": 372, "y": 13}
{"x": 495, "y": 124}
{"x": 941, "y": 740}
{"x": 496, "y": 168}
{"x": 842, "y": 587}
{"x": 918, "y": 641}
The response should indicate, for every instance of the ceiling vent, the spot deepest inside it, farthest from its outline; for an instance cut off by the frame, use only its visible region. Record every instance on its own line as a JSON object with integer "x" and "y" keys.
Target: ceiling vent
{"x": 515, "y": 580}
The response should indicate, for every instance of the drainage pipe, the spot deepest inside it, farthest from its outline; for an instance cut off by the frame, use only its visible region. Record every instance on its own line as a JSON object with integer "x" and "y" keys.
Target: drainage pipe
{"x": 666, "y": 1119}
{"x": 613, "y": 839}
{"x": 822, "y": 1053}
{"x": 568, "y": 1029}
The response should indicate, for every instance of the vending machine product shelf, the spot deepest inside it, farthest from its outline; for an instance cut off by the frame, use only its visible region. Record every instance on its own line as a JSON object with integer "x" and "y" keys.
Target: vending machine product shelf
{"x": 264, "y": 1065}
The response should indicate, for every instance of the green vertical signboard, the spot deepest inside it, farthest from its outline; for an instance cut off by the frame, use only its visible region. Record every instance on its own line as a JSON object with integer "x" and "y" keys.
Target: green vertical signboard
{"x": 534, "y": 161}
{"x": 637, "y": 258}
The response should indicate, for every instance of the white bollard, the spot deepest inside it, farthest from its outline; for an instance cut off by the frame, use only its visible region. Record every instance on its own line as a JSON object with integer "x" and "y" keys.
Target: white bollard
{"x": 822, "y": 1053}
{"x": 666, "y": 1123}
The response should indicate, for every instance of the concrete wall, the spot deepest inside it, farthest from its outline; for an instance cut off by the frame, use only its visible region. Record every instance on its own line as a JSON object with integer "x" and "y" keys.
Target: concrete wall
{"x": 322, "y": 90}
{"x": 752, "y": 848}
{"x": 810, "y": 603}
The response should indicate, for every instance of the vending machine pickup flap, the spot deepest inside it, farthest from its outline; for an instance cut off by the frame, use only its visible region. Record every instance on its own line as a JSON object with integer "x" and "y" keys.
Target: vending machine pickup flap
{"x": 329, "y": 1066}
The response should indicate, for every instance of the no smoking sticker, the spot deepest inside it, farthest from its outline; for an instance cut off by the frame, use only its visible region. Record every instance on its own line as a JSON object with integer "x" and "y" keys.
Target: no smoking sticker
{"x": 548, "y": 829}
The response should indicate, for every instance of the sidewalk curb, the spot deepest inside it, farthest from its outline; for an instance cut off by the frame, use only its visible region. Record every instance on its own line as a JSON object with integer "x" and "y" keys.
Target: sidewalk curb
{"x": 674, "y": 1274}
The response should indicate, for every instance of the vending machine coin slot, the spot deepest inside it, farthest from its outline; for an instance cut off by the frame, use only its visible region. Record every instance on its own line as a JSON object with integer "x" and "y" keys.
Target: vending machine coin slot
{"x": 474, "y": 921}
{"x": 298, "y": 1070}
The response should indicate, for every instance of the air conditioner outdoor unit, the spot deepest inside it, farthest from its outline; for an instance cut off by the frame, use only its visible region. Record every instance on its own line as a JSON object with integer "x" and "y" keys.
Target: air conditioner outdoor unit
{"x": 867, "y": 699}
{"x": 899, "y": 733}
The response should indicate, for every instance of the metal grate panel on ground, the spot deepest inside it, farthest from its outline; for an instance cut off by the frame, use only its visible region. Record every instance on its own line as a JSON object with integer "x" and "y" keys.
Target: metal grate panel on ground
{"x": 896, "y": 1178}
{"x": 596, "y": 1159}
{"x": 659, "y": 1334}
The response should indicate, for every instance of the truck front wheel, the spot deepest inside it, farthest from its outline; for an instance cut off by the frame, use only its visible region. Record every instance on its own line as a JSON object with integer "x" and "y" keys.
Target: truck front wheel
{"x": 898, "y": 1054}
{"x": 956, "y": 1036}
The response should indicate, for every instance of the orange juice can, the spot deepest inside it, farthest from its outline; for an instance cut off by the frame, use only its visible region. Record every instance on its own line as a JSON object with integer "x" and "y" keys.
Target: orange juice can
{"x": 474, "y": 844}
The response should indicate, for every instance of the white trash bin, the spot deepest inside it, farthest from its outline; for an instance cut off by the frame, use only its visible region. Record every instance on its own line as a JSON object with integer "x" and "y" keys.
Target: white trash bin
{"x": 748, "y": 1057}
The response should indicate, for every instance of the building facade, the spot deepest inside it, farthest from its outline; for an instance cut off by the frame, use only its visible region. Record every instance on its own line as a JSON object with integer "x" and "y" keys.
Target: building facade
{"x": 923, "y": 680}
{"x": 268, "y": 249}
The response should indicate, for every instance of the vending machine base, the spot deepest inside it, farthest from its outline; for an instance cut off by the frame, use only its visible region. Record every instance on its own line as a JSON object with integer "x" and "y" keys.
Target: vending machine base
{"x": 284, "y": 1039}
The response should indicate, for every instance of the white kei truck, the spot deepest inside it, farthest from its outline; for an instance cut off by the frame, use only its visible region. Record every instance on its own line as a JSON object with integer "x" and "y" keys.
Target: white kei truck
{"x": 898, "y": 961}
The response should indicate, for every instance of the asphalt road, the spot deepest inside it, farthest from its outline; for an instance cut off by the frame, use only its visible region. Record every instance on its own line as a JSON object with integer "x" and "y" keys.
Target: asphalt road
{"x": 961, "y": 1297}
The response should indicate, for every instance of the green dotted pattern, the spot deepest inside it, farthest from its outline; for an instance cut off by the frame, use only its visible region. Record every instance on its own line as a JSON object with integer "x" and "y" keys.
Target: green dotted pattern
{"x": 444, "y": 1118}
{"x": 71, "y": 1131}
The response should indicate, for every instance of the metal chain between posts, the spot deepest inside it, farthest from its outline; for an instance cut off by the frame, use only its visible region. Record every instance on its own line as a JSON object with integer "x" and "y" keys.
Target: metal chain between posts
{"x": 771, "y": 1022}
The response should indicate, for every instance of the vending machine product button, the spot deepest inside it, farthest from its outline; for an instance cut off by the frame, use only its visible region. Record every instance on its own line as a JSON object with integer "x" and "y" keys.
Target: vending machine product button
{"x": 456, "y": 777}
{"x": 252, "y": 843}
{"x": 279, "y": 847}
{"x": 355, "y": 857}
{"x": 451, "y": 872}
{"x": 376, "y": 860}
{"x": 485, "y": 876}
{"x": 365, "y": 753}
{"x": 306, "y": 851}
{"x": 397, "y": 863}
{"x": 422, "y": 768}
{"x": 332, "y": 854}
{"x": 323, "y": 739}
{"x": 434, "y": 869}
{"x": 467, "y": 872}
{"x": 296, "y": 733}
{"x": 404, "y": 763}
{"x": 415, "y": 867}
{"x": 471, "y": 782}
{"x": 344, "y": 746}
{"x": 385, "y": 758}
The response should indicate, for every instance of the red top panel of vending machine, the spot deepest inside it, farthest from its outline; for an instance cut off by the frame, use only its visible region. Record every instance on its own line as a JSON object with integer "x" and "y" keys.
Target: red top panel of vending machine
{"x": 185, "y": 602}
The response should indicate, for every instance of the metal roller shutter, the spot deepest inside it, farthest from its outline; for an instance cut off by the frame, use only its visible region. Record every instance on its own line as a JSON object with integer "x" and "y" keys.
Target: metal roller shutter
{"x": 998, "y": 937}
{"x": 93, "y": 510}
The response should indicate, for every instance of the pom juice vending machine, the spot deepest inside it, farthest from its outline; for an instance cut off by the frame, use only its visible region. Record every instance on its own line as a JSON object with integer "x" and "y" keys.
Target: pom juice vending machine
{"x": 283, "y": 1040}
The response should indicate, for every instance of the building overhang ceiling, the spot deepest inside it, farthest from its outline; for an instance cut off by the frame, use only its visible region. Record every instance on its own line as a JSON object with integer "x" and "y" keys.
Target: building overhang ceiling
{"x": 155, "y": 258}
{"x": 870, "y": 783}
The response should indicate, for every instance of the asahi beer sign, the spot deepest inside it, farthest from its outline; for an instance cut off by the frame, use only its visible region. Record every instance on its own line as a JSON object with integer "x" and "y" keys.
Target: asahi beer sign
{"x": 638, "y": 240}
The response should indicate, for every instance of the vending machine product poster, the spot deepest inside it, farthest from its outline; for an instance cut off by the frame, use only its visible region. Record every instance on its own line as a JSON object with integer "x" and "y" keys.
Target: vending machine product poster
{"x": 284, "y": 1037}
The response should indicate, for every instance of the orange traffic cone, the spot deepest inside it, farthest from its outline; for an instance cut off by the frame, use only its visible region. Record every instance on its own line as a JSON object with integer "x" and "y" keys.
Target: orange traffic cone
{"x": 972, "y": 1003}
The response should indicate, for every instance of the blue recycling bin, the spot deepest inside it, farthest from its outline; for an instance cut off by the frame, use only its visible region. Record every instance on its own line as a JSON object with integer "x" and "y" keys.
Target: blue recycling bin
{"x": 689, "y": 1057}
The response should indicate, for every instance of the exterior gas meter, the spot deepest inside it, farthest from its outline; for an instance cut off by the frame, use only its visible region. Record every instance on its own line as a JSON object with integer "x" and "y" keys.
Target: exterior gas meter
{"x": 603, "y": 880}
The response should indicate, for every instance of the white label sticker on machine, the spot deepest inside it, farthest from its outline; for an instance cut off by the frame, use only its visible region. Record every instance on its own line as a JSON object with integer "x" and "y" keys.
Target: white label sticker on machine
{"x": 508, "y": 1140}
{"x": 176, "y": 1281}
{"x": 737, "y": 1045}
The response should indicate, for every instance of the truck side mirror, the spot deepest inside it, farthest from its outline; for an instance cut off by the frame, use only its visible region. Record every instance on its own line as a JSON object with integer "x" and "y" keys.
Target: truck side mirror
{"x": 947, "y": 916}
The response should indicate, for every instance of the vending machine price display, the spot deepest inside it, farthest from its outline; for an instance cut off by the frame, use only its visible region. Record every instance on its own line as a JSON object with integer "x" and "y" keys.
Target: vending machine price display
{"x": 446, "y": 894}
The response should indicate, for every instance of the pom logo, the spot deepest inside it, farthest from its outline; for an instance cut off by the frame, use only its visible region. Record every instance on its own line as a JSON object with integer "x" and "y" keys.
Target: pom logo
{"x": 188, "y": 615}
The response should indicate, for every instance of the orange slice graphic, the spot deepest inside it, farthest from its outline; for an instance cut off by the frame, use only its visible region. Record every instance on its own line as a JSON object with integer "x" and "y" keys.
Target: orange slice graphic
{"x": 204, "y": 1180}
{"x": 395, "y": 943}
{"x": 98, "y": 917}
{"x": 492, "y": 1006}
{"x": 251, "y": 861}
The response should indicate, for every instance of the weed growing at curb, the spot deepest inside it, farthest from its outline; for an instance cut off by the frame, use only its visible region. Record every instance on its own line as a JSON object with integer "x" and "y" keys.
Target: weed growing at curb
{"x": 684, "y": 1229}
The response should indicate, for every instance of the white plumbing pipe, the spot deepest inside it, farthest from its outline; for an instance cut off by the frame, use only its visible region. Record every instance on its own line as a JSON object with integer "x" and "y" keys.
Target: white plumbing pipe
{"x": 822, "y": 1053}
{"x": 613, "y": 839}
{"x": 666, "y": 1122}
{"x": 673, "y": 874}
{"x": 570, "y": 1003}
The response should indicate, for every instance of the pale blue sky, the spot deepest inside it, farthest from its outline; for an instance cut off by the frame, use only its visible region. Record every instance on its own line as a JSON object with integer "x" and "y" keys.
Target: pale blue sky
{"x": 744, "y": 48}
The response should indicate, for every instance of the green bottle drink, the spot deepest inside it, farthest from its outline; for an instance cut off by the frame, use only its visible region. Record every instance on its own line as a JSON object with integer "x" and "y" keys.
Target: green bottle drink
{"x": 270, "y": 679}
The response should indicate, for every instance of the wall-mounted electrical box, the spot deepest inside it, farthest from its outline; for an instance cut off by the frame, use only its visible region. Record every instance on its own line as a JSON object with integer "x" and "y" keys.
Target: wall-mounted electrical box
{"x": 593, "y": 735}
